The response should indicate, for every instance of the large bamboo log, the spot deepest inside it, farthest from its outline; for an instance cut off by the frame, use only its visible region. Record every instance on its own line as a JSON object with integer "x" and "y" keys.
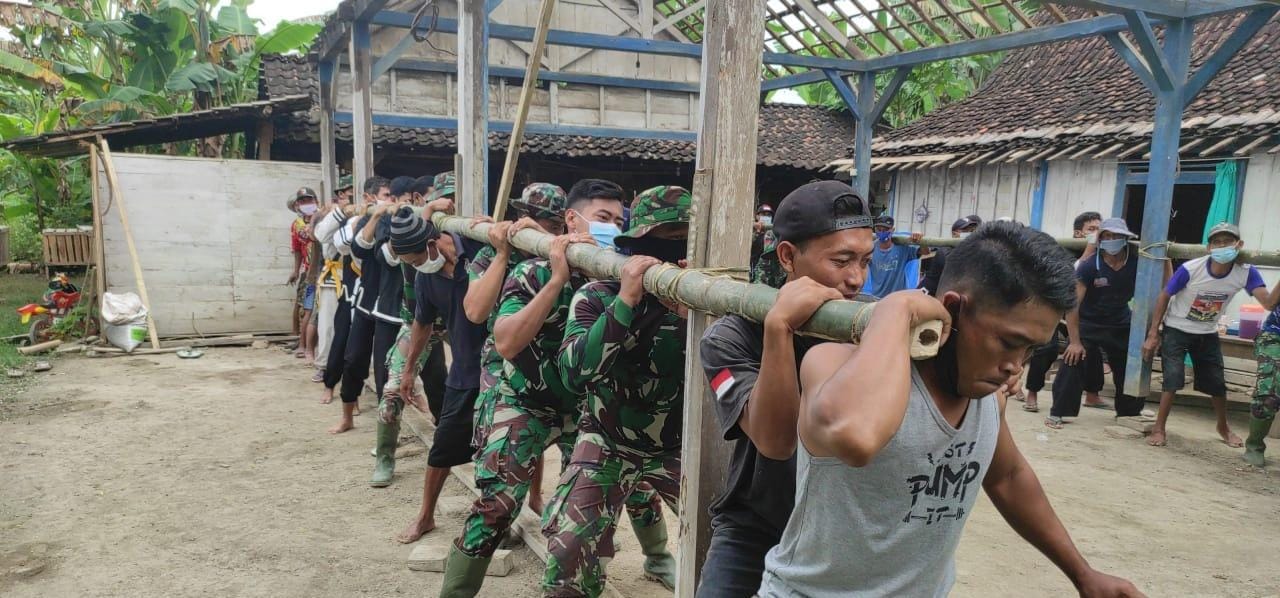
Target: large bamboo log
{"x": 710, "y": 293}
{"x": 1177, "y": 251}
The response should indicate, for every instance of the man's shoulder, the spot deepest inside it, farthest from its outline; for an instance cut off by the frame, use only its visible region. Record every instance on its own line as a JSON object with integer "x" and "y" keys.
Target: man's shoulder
{"x": 734, "y": 326}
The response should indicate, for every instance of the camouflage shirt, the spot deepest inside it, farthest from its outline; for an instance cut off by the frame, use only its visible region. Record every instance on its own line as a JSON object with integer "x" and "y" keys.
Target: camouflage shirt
{"x": 533, "y": 374}
{"x": 629, "y": 362}
{"x": 490, "y": 360}
{"x": 767, "y": 270}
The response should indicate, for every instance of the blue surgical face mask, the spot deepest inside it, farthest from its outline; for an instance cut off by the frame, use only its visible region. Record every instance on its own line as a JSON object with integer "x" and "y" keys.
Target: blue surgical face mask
{"x": 1224, "y": 255}
{"x": 884, "y": 236}
{"x": 1113, "y": 246}
{"x": 604, "y": 233}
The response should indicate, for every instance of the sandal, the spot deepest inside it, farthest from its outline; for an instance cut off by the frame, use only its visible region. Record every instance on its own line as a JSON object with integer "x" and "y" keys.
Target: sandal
{"x": 1032, "y": 407}
{"x": 1053, "y": 422}
{"x": 318, "y": 376}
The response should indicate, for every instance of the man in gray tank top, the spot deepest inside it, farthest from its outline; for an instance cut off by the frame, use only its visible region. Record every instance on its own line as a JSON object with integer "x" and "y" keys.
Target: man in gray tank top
{"x": 895, "y": 451}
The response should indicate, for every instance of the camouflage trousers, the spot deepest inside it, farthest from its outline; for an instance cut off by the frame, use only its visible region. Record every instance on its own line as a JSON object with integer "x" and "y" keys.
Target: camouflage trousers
{"x": 581, "y": 517}
{"x": 516, "y": 437}
{"x": 392, "y": 404}
{"x": 1266, "y": 398}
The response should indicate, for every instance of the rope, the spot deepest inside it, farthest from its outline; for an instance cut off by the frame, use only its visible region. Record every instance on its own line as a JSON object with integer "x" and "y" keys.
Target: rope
{"x": 668, "y": 290}
{"x": 1142, "y": 250}
{"x": 861, "y": 318}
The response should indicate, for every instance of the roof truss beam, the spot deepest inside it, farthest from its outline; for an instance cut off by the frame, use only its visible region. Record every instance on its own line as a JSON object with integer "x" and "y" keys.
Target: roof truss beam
{"x": 1177, "y": 9}
{"x": 359, "y": 10}
{"x": 1157, "y": 63}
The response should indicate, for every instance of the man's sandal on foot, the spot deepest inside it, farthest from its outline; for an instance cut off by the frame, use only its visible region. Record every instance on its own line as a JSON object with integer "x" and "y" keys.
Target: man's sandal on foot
{"x": 1054, "y": 422}
{"x": 1032, "y": 407}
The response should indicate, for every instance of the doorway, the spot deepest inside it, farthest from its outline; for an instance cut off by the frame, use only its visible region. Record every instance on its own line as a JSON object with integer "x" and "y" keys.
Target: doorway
{"x": 1190, "y": 210}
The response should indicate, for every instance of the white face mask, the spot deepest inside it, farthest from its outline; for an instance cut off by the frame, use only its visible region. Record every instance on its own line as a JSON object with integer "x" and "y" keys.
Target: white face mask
{"x": 963, "y": 235}
{"x": 307, "y": 209}
{"x": 431, "y": 266}
{"x": 766, "y": 219}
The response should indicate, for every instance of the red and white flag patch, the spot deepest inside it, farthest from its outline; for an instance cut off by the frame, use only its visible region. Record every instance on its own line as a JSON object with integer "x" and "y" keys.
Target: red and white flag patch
{"x": 721, "y": 383}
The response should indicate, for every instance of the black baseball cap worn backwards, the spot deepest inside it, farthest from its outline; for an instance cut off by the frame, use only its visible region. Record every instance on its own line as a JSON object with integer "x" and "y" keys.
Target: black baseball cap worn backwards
{"x": 819, "y": 208}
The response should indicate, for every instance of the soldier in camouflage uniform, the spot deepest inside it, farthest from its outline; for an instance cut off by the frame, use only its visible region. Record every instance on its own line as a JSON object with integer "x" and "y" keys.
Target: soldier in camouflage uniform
{"x": 625, "y": 350}
{"x": 529, "y": 406}
{"x": 767, "y": 270}
{"x": 1266, "y": 397}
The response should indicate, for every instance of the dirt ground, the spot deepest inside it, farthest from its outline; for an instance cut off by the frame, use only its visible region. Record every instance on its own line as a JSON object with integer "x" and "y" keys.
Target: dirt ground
{"x": 154, "y": 476}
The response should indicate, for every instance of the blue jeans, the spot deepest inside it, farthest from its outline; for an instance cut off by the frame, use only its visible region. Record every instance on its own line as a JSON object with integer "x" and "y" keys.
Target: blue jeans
{"x": 735, "y": 561}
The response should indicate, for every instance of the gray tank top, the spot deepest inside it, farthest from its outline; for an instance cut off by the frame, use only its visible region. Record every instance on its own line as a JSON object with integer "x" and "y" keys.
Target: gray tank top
{"x": 889, "y": 528}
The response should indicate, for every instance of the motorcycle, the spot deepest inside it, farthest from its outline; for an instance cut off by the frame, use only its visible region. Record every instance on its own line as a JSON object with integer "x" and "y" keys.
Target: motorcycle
{"x": 54, "y": 305}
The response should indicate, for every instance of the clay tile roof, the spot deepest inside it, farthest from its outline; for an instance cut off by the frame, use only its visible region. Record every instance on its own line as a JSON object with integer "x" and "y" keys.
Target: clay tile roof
{"x": 804, "y": 137}
{"x": 1080, "y": 92}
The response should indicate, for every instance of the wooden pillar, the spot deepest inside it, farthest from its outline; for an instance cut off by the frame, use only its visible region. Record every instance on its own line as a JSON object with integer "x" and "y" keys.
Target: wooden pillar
{"x": 1158, "y": 207}
{"x": 862, "y": 134}
{"x": 266, "y": 134}
{"x": 472, "y": 175}
{"x": 361, "y": 104}
{"x": 719, "y": 236}
{"x": 328, "y": 155}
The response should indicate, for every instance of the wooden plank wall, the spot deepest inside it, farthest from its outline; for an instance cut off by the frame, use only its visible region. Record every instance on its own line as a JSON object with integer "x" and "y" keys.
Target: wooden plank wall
{"x": 420, "y": 93}
{"x": 989, "y": 190}
{"x": 1076, "y": 186}
{"x": 213, "y": 239}
{"x": 1260, "y": 208}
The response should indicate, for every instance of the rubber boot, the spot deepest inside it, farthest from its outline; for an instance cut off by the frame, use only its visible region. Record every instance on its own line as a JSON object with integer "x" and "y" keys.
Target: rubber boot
{"x": 659, "y": 565}
{"x": 384, "y": 463}
{"x": 463, "y": 575}
{"x": 1255, "y": 444}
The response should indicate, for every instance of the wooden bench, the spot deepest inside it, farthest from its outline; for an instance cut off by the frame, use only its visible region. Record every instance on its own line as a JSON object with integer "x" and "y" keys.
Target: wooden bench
{"x": 67, "y": 247}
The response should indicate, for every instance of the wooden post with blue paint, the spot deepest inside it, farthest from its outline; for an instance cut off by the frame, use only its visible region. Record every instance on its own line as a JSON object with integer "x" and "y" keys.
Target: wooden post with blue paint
{"x": 361, "y": 104}
{"x": 472, "y": 176}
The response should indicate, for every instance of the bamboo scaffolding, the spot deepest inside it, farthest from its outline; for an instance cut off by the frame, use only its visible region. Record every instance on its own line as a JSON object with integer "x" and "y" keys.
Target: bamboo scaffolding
{"x": 705, "y": 292}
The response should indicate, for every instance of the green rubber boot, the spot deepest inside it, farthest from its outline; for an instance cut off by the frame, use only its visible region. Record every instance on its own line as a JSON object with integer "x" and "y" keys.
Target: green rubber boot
{"x": 384, "y": 464}
{"x": 463, "y": 575}
{"x": 659, "y": 565}
{"x": 1255, "y": 444}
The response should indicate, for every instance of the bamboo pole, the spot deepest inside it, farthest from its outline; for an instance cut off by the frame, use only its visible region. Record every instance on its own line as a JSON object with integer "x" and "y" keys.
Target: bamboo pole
{"x": 1177, "y": 251}
{"x": 522, "y": 109}
{"x": 709, "y": 293}
{"x": 114, "y": 184}
{"x": 100, "y": 272}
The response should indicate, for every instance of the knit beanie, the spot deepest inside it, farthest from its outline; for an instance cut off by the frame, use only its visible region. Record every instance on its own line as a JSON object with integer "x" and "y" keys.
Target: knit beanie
{"x": 410, "y": 232}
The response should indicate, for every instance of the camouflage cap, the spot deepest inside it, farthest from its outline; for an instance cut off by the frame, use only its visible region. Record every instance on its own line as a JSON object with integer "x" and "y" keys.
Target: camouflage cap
{"x": 345, "y": 182}
{"x": 443, "y": 184}
{"x": 665, "y": 204}
{"x": 542, "y": 200}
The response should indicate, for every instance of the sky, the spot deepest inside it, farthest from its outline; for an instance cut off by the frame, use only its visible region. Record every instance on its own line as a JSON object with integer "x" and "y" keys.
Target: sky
{"x": 272, "y": 12}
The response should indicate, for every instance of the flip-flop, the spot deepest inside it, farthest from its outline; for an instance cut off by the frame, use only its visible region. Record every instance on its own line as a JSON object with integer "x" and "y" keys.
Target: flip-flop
{"x": 318, "y": 376}
{"x": 1031, "y": 408}
{"x": 1053, "y": 422}
{"x": 1098, "y": 405}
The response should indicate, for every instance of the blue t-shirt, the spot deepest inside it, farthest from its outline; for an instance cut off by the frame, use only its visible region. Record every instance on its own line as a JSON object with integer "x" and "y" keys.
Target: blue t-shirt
{"x": 889, "y": 267}
{"x": 1272, "y": 324}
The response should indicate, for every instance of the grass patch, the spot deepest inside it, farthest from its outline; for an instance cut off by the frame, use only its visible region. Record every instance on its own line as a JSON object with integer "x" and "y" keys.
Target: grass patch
{"x": 16, "y": 290}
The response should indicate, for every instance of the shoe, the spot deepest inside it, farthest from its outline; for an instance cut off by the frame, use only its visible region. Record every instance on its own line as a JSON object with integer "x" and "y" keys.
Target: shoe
{"x": 384, "y": 464}
{"x": 1255, "y": 445}
{"x": 318, "y": 376}
{"x": 463, "y": 575}
{"x": 659, "y": 565}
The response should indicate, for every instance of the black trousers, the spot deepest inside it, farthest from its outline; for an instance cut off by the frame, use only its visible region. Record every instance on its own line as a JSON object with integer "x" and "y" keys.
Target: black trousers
{"x": 1042, "y": 360}
{"x": 338, "y": 346}
{"x": 433, "y": 375}
{"x": 1071, "y": 378}
{"x": 735, "y": 561}
{"x": 367, "y": 342}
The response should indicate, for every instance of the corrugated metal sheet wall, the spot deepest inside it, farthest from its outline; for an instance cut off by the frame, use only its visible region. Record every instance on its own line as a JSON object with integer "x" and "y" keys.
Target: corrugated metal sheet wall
{"x": 990, "y": 190}
{"x": 1076, "y": 186}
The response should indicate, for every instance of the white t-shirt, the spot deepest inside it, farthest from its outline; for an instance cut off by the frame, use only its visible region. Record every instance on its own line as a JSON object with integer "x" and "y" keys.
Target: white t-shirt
{"x": 1197, "y": 297}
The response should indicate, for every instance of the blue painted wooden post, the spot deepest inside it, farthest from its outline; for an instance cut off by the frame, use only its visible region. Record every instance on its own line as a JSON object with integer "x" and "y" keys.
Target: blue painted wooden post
{"x": 1037, "y": 196}
{"x": 1176, "y": 55}
{"x": 866, "y": 102}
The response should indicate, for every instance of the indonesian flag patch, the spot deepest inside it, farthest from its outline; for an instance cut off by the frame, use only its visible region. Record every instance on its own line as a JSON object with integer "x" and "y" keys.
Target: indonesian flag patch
{"x": 721, "y": 383}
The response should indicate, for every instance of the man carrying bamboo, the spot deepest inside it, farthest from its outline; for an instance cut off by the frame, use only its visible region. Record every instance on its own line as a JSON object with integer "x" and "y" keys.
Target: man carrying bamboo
{"x": 531, "y": 406}
{"x": 543, "y": 206}
{"x": 892, "y": 452}
{"x": 824, "y": 246}
{"x": 624, "y": 349}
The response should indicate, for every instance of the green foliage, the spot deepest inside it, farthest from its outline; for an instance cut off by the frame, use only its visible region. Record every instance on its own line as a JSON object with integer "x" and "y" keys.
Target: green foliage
{"x": 74, "y": 64}
{"x": 24, "y": 239}
{"x": 72, "y": 324}
{"x": 929, "y": 87}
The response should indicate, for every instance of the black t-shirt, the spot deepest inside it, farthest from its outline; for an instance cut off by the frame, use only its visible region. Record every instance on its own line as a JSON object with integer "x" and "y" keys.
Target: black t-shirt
{"x": 439, "y": 295}
{"x": 760, "y": 492}
{"x": 933, "y": 270}
{"x": 1107, "y": 291}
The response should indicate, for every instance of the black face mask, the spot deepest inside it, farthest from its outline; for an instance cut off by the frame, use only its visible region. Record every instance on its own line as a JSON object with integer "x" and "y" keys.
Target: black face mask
{"x": 667, "y": 250}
